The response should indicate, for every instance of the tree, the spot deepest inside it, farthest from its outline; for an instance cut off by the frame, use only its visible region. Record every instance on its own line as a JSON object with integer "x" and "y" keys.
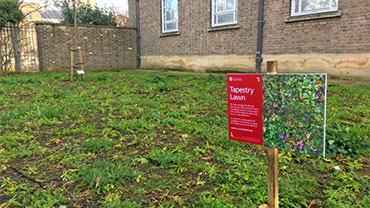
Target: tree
{"x": 10, "y": 12}
{"x": 87, "y": 15}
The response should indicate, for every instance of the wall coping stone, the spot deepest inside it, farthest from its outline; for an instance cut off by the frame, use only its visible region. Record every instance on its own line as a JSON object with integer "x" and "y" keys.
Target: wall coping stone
{"x": 96, "y": 26}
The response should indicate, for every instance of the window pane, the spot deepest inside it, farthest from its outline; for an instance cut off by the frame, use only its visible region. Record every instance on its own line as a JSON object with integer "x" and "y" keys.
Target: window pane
{"x": 296, "y": 5}
{"x": 221, "y": 5}
{"x": 171, "y": 9}
{"x": 171, "y": 26}
{"x": 334, "y": 3}
{"x": 308, "y": 5}
{"x": 229, "y": 4}
{"x": 225, "y": 18}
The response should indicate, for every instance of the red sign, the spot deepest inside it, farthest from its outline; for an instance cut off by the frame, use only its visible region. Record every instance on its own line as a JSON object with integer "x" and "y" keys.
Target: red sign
{"x": 244, "y": 93}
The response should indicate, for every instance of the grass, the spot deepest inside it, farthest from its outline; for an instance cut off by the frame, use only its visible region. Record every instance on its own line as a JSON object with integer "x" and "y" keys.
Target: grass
{"x": 149, "y": 139}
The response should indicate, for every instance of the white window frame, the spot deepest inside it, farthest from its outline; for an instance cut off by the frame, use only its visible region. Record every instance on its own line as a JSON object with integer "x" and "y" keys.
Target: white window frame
{"x": 165, "y": 21}
{"x": 299, "y": 13}
{"x": 215, "y": 14}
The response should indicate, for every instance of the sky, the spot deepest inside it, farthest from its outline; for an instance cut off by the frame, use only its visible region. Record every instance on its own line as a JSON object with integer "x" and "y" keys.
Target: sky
{"x": 120, "y": 5}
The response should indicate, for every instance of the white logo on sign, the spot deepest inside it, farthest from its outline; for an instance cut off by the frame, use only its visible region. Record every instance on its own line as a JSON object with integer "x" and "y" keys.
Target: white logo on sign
{"x": 231, "y": 79}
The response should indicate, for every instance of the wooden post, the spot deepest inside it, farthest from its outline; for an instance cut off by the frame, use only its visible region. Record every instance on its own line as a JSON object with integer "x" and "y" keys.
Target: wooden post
{"x": 272, "y": 67}
{"x": 272, "y": 154}
{"x": 81, "y": 61}
{"x": 273, "y": 183}
{"x": 72, "y": 63}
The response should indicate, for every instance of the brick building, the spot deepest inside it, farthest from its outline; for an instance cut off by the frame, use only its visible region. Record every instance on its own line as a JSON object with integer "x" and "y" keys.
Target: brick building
{"x": 331, "y": 36}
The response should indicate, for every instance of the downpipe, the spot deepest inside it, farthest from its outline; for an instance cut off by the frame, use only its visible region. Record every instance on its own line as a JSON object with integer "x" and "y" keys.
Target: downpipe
{"x": 261, "y": 23}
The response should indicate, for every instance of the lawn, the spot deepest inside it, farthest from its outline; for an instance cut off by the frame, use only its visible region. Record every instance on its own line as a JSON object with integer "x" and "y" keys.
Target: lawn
{"x": 160, "y": 140}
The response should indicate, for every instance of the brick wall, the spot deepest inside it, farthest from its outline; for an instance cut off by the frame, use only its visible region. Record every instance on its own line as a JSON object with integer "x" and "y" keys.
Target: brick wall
{"x": 337, "y": 43}
{"x": 348, "y": 32}
{"x": 104, "y": 48}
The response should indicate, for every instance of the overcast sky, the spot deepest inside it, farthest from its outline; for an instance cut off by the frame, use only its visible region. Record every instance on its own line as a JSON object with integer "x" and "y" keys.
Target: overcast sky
{"x": 120, "y": 5}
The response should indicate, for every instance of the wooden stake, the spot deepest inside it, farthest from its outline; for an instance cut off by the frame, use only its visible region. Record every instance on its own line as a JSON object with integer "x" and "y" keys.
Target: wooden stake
{"x": 273, "y": 183}
{"x": 72, "y": 63}
{"x": 272, "y": 154}
{"x": 272, "y": 67}
{"x": 81, "y": 61}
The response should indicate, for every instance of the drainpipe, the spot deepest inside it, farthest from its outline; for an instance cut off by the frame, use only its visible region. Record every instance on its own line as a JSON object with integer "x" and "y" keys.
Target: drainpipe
{"x": 138, "y": 37}
{"x": 261, "y": 22}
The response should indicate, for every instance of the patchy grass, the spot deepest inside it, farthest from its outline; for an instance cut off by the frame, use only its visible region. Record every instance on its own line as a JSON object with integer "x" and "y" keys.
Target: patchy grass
{"x": 144, "y": 139}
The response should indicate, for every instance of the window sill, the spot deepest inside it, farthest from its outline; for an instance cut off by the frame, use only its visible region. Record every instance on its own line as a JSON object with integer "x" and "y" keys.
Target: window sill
{"x": 314, "y": 16}
{"x": 225, "y": 27}
{"x": 169, "y": 34}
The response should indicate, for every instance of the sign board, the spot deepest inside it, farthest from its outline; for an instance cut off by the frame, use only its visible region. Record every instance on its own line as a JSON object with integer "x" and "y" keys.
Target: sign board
{"x": 245, "y": 108}
{"x": 293, "y": 115}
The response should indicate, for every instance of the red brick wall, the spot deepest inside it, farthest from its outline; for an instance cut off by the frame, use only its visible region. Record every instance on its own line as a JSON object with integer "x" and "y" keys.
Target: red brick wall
{"x": 103, "y": 48}
{"x": 349, "y": 33}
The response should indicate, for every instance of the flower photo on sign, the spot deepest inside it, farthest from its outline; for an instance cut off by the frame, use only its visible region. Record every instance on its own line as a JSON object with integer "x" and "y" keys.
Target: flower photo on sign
{"x": 294, "y": 112}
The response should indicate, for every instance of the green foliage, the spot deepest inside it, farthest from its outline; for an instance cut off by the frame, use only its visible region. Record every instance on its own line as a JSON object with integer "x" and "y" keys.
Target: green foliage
{"x": 113, "y": 201}
{"x": 97, "y": 145}
{"x": 13, "y": 140}
{"x": 87, "y": 15}
{"x": 173, "y": 147}
{"x": 44, "y": 198}
{"x": 166, "y": 158}
{"x": 347, "y": 141}
{"x": 109, "y": 174}
{"x": 347, "y": 190}
{"x": 349, "y": 120}
{"x": 162, "y": 83}
{"x": 209, "y": 202}
{"x": 10, "y": 12}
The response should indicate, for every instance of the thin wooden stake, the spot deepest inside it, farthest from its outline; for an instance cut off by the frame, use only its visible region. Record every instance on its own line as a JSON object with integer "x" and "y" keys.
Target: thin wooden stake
{"x": 81, "y": 61}
{"x": 72, "y": 63}
{"x": 273, "y": 183}
{"x": 272, "y": 154}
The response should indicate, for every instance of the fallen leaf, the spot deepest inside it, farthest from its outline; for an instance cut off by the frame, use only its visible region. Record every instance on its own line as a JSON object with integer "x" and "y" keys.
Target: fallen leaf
{"x": 160, "y": 190}
{"x": 263, "y": 206}
{"x": 2, "y": 205}
{"x": 97, "y": 182}
{"x": 327, "y": 160}
{"x": 176, "y": 198}
{"x": 57, "y": 141}
{"x": 117, "y": 146}
{"x": 47, "y": 143}
{"x": 184, "y": 136}
{"x": 2, "y": 149}
{"x": 85, "y": 192}
{"x": 313, "y": 202}
{"x": 364, "y": 174}
{"x": 207, "y": 158}
{"x": 192, "y": 183}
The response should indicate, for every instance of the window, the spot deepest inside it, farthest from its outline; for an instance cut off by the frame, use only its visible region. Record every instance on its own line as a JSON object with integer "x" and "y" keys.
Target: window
{"x": 224, "y": 12}
{"x": 169, "y": 16}
{"x": 302, "y": 7}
